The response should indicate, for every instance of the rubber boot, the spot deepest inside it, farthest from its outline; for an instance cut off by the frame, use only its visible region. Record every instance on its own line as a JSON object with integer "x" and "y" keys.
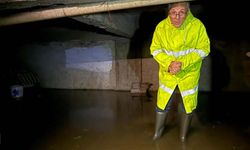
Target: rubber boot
{"x": 159, "y": 124}
{"x": 184, "y": 126}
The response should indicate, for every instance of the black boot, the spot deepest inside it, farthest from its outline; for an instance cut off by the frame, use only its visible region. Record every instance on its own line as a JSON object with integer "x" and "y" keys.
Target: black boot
{"x": 184, "y": 126}
{"x": 159, "y": 124}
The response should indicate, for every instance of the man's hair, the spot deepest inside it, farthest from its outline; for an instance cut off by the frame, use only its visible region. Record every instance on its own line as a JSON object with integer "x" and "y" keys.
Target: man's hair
{"x": 171, "y": 5}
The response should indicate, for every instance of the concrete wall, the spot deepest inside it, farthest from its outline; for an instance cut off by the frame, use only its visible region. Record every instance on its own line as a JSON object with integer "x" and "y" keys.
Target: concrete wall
{"x": 66, "y": 65}
{"x": 230, "y": 65}
{"x": 82, "y": 60}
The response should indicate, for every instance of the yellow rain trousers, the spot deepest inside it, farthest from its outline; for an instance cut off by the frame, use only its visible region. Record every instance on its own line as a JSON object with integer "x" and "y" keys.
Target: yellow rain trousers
{"x": 188, "y": 44}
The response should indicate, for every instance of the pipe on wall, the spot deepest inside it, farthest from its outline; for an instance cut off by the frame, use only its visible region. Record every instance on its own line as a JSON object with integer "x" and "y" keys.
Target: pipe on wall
{"x": 70, "y": 11}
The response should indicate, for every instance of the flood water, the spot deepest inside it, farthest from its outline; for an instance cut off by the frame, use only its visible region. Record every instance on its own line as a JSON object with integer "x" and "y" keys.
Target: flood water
{"x": 117, "y": 120}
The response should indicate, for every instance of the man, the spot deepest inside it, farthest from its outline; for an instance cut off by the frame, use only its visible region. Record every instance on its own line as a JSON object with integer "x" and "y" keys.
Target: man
{"x": 179, "y": 45}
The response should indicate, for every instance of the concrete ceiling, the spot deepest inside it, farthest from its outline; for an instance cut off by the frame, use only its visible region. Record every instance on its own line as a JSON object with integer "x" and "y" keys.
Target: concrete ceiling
{"x": 112, "y": 15}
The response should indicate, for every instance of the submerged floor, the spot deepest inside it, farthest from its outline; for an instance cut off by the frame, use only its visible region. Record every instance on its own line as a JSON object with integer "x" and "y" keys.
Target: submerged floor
{"x": 111, "y": 120}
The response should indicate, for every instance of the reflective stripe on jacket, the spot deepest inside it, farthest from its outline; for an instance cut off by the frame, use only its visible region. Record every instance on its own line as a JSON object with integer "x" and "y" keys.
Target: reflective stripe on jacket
{"x": 188, "y": 44}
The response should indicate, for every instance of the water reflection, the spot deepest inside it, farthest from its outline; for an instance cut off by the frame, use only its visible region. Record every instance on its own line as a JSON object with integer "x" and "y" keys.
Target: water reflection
{"x": 82, "y": 119}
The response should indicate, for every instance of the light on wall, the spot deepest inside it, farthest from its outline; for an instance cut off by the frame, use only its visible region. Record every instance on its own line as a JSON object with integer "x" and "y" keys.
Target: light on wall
{"x": 248, "y": 54}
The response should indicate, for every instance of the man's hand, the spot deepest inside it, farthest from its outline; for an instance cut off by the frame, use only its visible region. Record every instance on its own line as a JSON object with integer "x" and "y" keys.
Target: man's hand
{"x": 174, "y": 67}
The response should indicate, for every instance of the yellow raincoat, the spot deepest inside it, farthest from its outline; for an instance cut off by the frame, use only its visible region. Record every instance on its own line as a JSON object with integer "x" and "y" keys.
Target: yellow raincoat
{"x": 188, "y": 44}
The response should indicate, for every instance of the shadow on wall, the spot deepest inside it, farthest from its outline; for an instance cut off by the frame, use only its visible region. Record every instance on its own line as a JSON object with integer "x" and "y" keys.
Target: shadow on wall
{"x": 222, "y": 102}
{"x": 140, "y": 42}
{"x": 139, "y": 50}
{"x": 220, "y": 70}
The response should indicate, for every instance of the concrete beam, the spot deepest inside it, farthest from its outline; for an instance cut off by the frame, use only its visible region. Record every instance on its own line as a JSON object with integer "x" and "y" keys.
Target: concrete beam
{"x": 123, "y": 24}
{"x": 79, "y": 10}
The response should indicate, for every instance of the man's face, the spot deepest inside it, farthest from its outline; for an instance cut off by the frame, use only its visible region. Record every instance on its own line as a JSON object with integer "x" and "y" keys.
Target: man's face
{"x": 178, "y": 14}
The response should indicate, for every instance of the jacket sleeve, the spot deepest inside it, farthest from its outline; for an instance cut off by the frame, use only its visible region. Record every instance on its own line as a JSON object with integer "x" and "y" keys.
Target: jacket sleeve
{"x": 199, "y": 52}
{"x": 157, "y": 50}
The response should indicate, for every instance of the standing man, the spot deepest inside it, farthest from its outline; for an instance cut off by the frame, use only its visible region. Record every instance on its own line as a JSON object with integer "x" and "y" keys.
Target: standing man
{"x": 180, "y": 43}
